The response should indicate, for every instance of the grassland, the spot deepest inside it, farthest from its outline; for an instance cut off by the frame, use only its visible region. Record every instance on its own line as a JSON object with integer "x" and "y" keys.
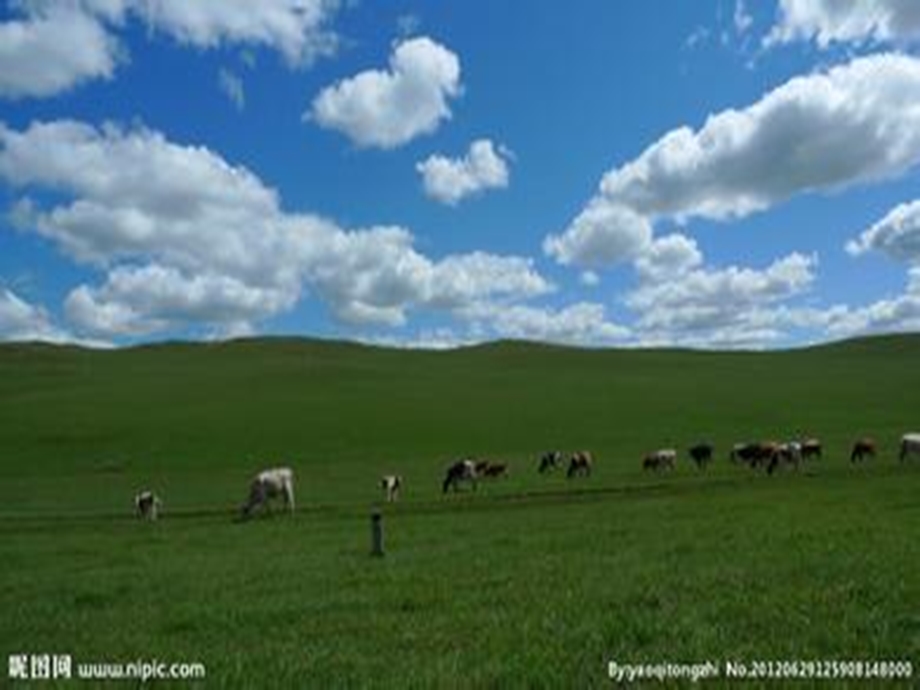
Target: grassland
{"x": 530, "y": 581}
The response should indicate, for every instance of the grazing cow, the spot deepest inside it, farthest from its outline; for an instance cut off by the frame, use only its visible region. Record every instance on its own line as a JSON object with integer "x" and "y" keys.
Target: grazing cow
{"x": 863, "y": 448}
{"x": 785, "y": 453}
{"x": 910, "y": 445}
{"x": 662, "y": 459}
{"x": 147, "y": 505}
{"x": 754, "y": 454}
{"x": 579, "y": 463}
{"x": 701, "y": 454}
{"x": 811, "y": 448}
{"x": 269, "y": 484}
{"x": 462, "y": 470}
{"x": 481, "y": 467}
{"x": 550, "y": 461}
{"x": 495, "y": 469}
{"x": 391, "y": 484}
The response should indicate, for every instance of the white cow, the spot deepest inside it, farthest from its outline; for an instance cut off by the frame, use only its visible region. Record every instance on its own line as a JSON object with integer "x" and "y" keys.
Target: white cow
{"x": 147, "y": 505}
{"x": 391, "y": 484}
{"x": 910, "y": 444}
{"x": 269, "y": 484}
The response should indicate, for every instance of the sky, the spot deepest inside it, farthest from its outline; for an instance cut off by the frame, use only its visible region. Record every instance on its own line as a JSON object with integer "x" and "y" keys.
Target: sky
{"x": 701, "y": 173}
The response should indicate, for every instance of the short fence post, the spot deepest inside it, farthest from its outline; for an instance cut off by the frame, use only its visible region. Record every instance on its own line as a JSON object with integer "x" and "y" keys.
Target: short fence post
{"x": 376, "y": 534}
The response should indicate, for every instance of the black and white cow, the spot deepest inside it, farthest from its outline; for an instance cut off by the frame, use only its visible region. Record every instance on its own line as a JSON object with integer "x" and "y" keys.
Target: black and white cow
{"x": 277, "y": 482}
{"x": 460, "y": 471}
{"x": 147, "y": 505}
{"x": 550, "y": 460}
{"x": 391, "y": 484}
{"x": 662, "y": 459}
{"x": 910, "y": 445}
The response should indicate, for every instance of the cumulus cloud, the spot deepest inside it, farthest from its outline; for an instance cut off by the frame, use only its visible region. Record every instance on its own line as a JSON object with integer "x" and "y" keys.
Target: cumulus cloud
{"x": 896, "y": 235}
{"x": 296, "y": 28}
{"x": 20, "y": 320}
{"x": 584, "y": 323}
{"x": 52, "y": 51}
{"x": 822, "y": 132}
{"x": 58, "y": 44}
{"x": 449, "y": 180}
{"x": 855, "y": 123}
{"x": 730, "y": 306}
{"x": 388, "y": 108}
{"x": 668, "y": 257}
{"x": 829, "y": 21}
{"x": 899, "y": 313}
{"x": 186, "y": 239}
{"x": 603, "y": 234}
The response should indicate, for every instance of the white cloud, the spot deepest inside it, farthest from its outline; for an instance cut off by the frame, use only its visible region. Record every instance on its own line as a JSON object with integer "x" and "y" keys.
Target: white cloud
{"x": 186, "y": 239}
{"x": 53, "y": 51}
{"x": 603, "y": 234}
{"x": 856, "y": 123}
{"x": 589, "y": 279}
{"x": 669, "y": 257}
{"x": 893, "y": 314}
{"x": 56, "y": 45}
{"x": 450, "y": 180}
{"x": 154, "y": 298}
{"x": 731, "y": 306}
{"x": 296, "y": 28}
{"x": 897, "y": 235}
{"x": 389, "y": 108}
{"x": 20, "y": 320}
{"x": 858, "y": 21}
{"x": 583, "y": 323}
{"x": 232, "y": 87}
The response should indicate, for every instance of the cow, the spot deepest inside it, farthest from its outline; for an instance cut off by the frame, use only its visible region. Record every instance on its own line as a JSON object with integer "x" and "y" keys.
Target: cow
{"x": 391, "y": 484}
{"x": 910, "y": 445}
{"x": 460, "y": 471}
{"x": 481, "y": 466}
{"x": 662, "y": 459}
{"x": 785, "y": 453}
{"x": 147, "y": 505}
{"x": 811, "y": 448}
{"x": 754, "y": 454}
{"x": 701, "y": 454}
{"x": 579, "y": 463}
{"x": 268, "y": 484}
{"x": 863, "y": 448}
{"x": 495, "y": 469}
{"x": 550, "y": 460}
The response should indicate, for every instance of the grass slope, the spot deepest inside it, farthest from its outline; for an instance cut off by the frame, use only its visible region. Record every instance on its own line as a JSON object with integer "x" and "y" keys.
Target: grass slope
{"x": 531, "y": 581}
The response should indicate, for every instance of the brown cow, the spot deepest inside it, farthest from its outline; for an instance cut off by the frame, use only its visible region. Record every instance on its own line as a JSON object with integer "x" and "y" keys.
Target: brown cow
{"x": 811, "y": 448}
{"x": 495, "y": 469}
{"x": 579, "y": 463}
{"x": 863, "y": 448}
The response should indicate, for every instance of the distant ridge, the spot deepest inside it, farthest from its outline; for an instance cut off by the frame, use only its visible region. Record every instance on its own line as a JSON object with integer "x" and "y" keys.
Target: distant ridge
{"x": 899, "y": 341}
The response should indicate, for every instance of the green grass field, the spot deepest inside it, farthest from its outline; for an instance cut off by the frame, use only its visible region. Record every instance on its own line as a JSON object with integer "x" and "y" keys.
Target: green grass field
{"x": 530, "y": 581}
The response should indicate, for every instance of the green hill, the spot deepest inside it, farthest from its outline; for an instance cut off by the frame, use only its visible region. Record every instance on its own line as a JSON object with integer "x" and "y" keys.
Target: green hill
{"x": 529, "y": 581}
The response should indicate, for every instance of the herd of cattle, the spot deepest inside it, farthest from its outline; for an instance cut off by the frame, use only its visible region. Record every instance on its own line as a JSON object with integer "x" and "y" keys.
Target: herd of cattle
{"x": 278, "y": 482}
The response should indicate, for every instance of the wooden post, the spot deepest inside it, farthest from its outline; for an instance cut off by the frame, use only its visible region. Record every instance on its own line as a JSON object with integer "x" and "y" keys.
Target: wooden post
{"x": 376, "y": 534}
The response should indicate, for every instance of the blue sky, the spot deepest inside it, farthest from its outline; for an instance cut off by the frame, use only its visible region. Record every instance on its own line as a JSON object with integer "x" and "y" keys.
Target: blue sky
{"x": 709, "y": 174}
